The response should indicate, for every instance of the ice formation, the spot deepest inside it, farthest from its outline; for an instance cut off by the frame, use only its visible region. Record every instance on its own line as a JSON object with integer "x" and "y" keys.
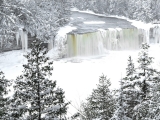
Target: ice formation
{"x": 155, "y": 34}
{"x": 22, "y": 37}
{"x": 60, "y": 43}
{"x": 97, "y": 43}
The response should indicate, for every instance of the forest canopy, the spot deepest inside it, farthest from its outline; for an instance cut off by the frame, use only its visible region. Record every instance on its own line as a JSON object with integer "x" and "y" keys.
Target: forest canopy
{"x": 144, "y": 10}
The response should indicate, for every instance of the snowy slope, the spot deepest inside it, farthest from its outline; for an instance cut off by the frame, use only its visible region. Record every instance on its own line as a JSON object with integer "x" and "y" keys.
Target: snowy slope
{"x": 78, "y": 76}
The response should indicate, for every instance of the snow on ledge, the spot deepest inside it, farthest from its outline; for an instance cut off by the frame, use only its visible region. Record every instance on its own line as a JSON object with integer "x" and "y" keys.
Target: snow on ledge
{"x": 94, "y": 22}
{"x": 64, "y": 30}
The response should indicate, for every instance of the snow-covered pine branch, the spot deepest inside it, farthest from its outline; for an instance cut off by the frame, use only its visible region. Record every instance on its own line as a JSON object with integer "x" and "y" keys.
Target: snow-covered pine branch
{"x": 36, "y": 96}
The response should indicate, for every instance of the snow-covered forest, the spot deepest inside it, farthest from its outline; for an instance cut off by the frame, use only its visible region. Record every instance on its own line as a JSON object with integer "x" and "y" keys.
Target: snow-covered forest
{"x": 79, "y": 60}
{"x": 40, "y": 18}
{"x": 145, "y": 10}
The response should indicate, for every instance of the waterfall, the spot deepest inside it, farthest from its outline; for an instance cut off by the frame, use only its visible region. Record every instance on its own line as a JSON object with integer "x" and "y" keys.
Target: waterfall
{"x": 1, "y": 41}
{"x": 98, "y": 42}
{"x": 85, "y": 44}
{"x": 23, "y": 36}
{"x": 22, "y": 39}
{"x": 60, "y": 45}
{"x": 50, "y": 44}
{"x": 17, "y": 38}
{"x": 25, "y": 40}
{"x": 156, "y": 34}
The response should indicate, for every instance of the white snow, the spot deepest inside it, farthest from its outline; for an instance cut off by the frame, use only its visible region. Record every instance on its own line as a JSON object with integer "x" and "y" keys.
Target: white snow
{"x": 94, "y": 22}
{"x": 64, "y": 30}
{"x": 80, "y": 18}
{"x": 78, "y": 78}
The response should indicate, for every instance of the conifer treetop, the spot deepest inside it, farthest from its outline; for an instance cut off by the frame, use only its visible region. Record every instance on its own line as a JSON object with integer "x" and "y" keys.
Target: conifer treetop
{"x": 36, "y": 96}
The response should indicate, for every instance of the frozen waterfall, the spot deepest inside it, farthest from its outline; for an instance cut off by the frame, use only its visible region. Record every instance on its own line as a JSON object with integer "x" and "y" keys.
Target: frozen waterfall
{"x": 155, "y": 34}
{"x": 98, "y": 42}
{"x": 22, "y": 38}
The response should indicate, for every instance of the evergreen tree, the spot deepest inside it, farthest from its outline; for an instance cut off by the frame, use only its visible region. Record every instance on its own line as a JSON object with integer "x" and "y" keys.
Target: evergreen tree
{"x": 129, "y": 84}
{"x": 63, "y": 8}
{"x": 129, "y": 94}
{"x": 4, "y": 83}
{"x": 145, "y": 69}
{"x": 121, "y": 8}
{"x": 101, "y": 103}
{"x": 120, "y": 112}
{"x": 36, "y": 97}
{"x": 136, "y": 93}
{"x": 147, "y": 76}
{"x": 87, "y": 111}
{"x": 154, "y": 101}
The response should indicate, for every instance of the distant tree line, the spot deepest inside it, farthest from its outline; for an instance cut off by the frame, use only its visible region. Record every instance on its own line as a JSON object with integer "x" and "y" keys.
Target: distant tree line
{"x": 144, "y": 10}
{"x": 138, "y": 97}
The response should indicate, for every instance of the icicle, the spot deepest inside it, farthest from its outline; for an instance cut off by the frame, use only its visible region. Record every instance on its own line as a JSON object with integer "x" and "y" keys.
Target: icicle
{"x": 112, "y": 38}
{"x": 100, "y": 38}
{"x": 22, "y": 39}
{"x": 50, "y": 44}
{"x": 103, "y": 33}
{"x": 17, "y": 37}
{"x": 156, "y": 34}
{"x": 25, "y": 40}
{"x": 1, "y": 43}
{"x": 147, "y": 35}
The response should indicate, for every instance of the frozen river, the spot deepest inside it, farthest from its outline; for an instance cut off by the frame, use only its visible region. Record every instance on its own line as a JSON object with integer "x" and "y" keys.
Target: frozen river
{"x": 86, "y": 22}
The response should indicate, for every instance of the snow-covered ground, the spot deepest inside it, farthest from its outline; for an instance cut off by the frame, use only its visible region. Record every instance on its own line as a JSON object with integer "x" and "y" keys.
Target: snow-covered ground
{"x": 78, "y": 76}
